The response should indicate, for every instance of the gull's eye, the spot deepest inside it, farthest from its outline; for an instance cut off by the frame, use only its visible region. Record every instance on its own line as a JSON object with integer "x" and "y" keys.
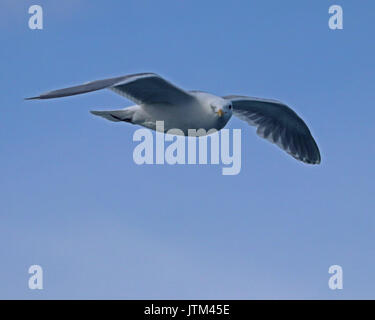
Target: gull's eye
{"x": 230, "y": 106}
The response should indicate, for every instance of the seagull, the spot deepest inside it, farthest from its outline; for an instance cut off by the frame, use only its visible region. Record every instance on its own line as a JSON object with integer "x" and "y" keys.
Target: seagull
{"x": 159, "y": 100}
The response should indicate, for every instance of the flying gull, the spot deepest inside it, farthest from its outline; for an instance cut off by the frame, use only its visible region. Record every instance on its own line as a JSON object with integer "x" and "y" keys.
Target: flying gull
{"x": 159, "y": 100}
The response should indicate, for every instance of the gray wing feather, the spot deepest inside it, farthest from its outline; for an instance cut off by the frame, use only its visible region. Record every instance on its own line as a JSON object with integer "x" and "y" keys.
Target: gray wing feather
{"x": 279, "y": 124}
{"x": 142, "y": 88}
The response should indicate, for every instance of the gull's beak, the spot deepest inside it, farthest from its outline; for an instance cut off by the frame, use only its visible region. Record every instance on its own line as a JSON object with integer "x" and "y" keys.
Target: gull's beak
{"x": 220, "y": 112}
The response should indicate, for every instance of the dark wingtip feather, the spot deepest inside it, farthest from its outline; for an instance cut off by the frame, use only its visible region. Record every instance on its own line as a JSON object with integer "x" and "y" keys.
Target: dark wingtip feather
{"x": 313, "y": 161}
{"x": 32, "y": 98}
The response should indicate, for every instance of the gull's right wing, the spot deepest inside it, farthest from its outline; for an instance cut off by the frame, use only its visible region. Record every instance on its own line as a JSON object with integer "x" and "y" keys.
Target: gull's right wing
{"x": 279, "y": 124}
{"x": 142, "y": 88}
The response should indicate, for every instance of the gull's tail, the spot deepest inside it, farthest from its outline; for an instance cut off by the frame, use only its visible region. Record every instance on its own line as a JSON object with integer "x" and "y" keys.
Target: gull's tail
{"x": 125, "y": 115}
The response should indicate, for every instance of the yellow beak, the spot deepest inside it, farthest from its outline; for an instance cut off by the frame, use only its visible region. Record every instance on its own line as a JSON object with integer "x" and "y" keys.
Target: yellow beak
{"x": 220, "y": 112}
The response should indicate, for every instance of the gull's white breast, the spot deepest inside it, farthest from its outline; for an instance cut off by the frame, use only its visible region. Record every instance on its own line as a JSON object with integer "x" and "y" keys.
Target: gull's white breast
{"x": 196, "y": 115}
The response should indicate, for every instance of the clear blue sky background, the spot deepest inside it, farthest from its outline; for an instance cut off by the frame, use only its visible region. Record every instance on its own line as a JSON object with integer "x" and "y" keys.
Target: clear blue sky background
{"x": 73, "y": 201}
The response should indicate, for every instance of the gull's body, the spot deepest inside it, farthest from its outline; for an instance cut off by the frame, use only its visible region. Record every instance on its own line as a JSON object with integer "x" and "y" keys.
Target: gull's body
{"x": 158, "y": 100}
{"x": 195, "y": 115}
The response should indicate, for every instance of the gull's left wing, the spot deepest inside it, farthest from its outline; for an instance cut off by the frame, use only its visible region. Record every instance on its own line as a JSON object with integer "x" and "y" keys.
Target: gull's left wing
{"x": 279, "y": 124}
{"x": 142, "y": 88}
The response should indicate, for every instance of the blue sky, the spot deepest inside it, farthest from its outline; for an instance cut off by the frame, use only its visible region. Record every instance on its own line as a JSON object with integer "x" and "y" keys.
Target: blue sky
{"x": 74, "y": 202}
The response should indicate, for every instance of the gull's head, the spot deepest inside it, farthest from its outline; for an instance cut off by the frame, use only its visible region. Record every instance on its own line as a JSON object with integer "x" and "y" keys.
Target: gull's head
{"x": 222, "y": 109}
